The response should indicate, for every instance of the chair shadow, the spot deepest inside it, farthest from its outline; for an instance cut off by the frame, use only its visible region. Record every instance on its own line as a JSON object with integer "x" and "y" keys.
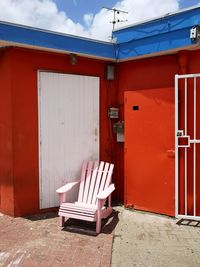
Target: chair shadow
{"x": 89, "y": 228}
{"x": 42, "y": 216}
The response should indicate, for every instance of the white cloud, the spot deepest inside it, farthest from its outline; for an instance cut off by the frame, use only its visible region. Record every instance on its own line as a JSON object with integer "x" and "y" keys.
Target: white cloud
{"x": 138, "y": 10}
{"x": 45, "y": 14}
{"x": 88, "y": 18}
{"x": 39, "y": 13}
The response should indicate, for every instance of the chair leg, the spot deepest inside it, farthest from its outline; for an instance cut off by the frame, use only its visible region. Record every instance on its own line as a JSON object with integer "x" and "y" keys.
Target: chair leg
{"x": 109, "y": 201}
{"x": 61, "y": 221}
{"x": 98, "y": 224}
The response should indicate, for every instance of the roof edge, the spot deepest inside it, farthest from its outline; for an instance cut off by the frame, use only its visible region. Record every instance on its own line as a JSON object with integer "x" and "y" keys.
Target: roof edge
{"x": 8, "y": 44}
{"x": 55, "y": 32}
{"x": 169, "y": 52}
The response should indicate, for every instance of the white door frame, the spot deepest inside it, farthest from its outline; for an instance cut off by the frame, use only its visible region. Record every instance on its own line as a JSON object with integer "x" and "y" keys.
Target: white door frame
{"x": 183, "y": 133}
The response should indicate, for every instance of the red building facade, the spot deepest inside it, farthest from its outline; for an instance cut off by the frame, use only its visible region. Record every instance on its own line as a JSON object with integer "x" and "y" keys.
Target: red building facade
{"x": 19, "y": 152}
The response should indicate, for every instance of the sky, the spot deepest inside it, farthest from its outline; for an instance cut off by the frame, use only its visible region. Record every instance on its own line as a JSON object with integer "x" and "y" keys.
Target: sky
{"x": 85, "y": 18}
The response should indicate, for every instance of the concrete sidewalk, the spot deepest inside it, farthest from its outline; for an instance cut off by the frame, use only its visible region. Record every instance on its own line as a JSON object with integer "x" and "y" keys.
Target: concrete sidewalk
{"x": 39, "y": 241}
{"x": 144, "y": 239}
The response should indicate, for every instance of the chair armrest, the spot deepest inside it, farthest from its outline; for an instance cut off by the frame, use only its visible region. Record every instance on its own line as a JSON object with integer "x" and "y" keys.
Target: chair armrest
{"x": 104, "y": 194}
{"x": 67, "y": 187}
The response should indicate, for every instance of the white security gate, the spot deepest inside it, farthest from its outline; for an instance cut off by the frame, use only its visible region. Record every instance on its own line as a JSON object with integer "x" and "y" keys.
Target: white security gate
{"x": 68, "y": 130}
{"x": 187, "y": 127}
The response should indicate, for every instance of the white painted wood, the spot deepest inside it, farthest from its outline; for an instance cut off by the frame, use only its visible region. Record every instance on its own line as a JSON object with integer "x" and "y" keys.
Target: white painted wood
{"x": 68, "y": 130}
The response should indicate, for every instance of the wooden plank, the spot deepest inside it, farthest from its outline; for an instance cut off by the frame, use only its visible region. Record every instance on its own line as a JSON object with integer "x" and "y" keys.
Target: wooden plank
{"x": 92, "y": 184}
{"x": 108, "y": 179}
{"x": 79, "y": 217}
{"x": 106, "y": 192}
{"x": 87, "y": 181}
{"x": 103, "y": 180}
{"x": 83, "y": 174}
{"x": 77, "y": 210}
{"x": 110, "y": 172}
{"x": 67, "y": 187}
{"x": 85, "y": 205}
{"x": 74, "y": 211}
{"x": 98, "y": 180}
{"x": 74, "y": 207}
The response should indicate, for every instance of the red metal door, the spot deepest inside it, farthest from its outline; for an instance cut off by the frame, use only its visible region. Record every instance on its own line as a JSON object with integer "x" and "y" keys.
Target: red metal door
{"x": 149, "y": 150}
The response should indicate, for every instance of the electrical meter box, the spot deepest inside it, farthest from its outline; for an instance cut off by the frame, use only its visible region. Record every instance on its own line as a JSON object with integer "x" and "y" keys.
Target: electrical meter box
{"x": 113, "y": 113}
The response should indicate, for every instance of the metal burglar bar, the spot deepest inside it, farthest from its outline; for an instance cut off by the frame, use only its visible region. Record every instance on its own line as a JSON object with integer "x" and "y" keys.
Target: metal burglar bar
{"x": 182, "y": 83}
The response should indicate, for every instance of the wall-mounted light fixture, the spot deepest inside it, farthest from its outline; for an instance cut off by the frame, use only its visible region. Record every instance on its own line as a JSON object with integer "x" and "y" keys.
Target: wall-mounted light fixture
{"x": 73, "y": 59}
{"x": 110, "y": 72}
{"x": 118, "y": 128}
{"x": 195, "y": 33}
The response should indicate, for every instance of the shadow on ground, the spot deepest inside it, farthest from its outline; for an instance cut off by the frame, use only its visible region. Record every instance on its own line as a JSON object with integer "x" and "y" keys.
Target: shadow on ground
{"x": 80, "y": 226}
{"x": 89, "y": 228}
{"x": 41, "y": 216}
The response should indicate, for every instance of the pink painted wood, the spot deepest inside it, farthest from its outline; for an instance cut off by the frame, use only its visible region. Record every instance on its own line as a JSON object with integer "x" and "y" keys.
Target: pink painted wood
{"x": 95, "y": 187}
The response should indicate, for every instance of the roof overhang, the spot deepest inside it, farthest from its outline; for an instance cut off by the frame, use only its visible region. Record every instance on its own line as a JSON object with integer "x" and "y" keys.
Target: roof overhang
{"x": 28, "y": 37}
{"x": 162, "y": 53}
{"x": 163, "y": 35}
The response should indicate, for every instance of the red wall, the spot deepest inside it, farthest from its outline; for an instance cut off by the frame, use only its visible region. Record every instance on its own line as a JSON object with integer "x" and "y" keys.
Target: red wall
{"x": 21, "y": 161}
{"x": 6, "y": 149}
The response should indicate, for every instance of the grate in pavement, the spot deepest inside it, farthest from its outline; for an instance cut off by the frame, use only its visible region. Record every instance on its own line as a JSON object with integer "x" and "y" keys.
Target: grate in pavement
{"x": 189, "y": 222}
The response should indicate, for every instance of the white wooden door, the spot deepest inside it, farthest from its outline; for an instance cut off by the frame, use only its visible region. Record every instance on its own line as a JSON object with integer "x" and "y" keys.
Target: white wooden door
{"x": 68, "y": 130}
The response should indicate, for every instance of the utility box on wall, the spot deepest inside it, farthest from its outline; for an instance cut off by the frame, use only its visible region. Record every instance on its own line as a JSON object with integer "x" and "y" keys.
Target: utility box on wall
{"x": 149, "y": 136}
{"x": 118, "y": 128}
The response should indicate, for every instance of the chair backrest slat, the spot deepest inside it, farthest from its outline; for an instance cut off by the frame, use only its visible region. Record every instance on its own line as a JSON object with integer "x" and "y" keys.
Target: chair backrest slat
{"x": 87, "y": 181}
{"x": 107, "y": 180}
{"x": 104, "y": 177}
{"x": 97, "y": 184}
{"x": 109, "y": 176}
{"x": 82, "y": 182}
{"x": 92, "y": 183}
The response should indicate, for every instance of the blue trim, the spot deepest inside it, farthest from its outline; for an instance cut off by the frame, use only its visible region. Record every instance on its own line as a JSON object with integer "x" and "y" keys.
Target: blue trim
{"x": 155, "y": 44}
{"x": 166, "y": 24}
{"x": 35, "y": 37}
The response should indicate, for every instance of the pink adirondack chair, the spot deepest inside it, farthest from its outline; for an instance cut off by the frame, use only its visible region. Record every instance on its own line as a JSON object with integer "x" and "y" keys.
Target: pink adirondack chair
{"x": 94, "y": 189}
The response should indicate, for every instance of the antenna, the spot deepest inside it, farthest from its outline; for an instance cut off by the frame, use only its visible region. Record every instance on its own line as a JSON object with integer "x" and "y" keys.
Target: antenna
{"x": 116, "y": 12}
